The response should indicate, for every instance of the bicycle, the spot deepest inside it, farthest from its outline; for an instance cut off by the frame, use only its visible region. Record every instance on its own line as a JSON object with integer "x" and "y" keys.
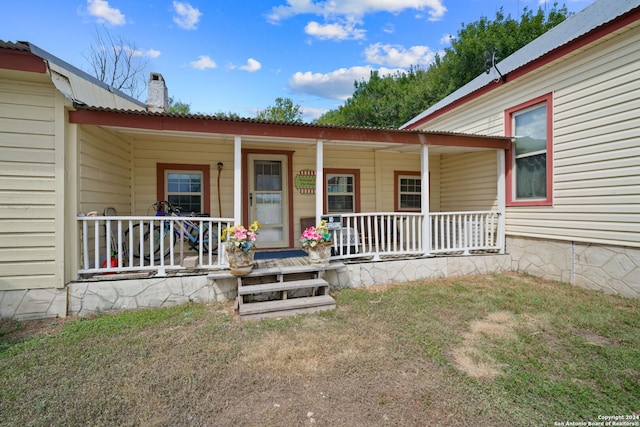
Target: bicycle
{"x": 162, "y": 237}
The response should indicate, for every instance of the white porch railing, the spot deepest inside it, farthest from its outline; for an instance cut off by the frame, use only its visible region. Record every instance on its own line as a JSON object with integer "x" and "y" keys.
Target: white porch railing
{"x": 378, "y": 234}
{"x": 161, "y": 243}
{"x": 113, "y": 244}
{"x": 464, "y": 232}
{"x": 392, "y": 233}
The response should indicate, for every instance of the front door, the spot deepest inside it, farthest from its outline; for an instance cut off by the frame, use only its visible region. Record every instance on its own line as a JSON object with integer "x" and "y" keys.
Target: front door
{"x": 268, "y": 198}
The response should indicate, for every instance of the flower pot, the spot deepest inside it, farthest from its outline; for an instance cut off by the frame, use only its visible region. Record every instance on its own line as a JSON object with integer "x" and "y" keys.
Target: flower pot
{"x": 240, "y": 262}
{"x": 319, "y": 254}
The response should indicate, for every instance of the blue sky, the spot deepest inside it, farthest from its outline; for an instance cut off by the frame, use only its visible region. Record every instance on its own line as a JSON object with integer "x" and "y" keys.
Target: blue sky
{"x": 240, "y": 55}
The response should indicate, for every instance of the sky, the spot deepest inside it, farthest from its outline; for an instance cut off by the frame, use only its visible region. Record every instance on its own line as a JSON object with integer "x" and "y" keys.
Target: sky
{"x": 239, "y": 56}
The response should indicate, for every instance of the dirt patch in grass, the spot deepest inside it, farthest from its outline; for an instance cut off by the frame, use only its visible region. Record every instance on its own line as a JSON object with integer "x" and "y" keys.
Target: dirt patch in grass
{"x": 470, "y": 357}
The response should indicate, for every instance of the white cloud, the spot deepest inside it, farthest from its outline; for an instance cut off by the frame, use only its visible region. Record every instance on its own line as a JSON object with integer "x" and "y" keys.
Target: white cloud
{"x": 398, "y": 56}
{"x": 105, "y": 13}
{"x": 252, "y": 65}
{"x": 152, "y": 53}
{"x": 312, "y": 113}
{"x": 187, "y": 15}
{"x": 334, "y": 31}
{"x": 354, "y": 8}
{"x": 337, "y": 84}
{"x": 446, "y": 39}
{"x": 203, "y": 63}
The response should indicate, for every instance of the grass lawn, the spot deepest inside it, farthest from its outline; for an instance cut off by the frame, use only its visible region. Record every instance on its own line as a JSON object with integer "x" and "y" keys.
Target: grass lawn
{"x": 502, "y": 350}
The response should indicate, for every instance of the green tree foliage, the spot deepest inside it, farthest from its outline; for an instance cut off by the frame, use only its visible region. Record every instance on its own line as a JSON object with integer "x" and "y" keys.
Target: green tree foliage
{"x": 391, "y": 101}
{"x": 284, "y": 110}
{"x": 227, "y": 115}
{"x": 179, "y": 107}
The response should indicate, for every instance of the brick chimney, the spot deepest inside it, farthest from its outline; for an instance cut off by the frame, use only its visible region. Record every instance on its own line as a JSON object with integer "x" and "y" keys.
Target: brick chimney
{"x": 158, "y": 99}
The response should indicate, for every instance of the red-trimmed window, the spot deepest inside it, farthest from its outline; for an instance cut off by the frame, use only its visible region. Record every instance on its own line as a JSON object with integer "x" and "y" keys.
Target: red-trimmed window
{"x": 186, "y": 186}
{"x": 530, "y": 161}
{"x": 408, "y": 191}
{"x": 342, "y": 190}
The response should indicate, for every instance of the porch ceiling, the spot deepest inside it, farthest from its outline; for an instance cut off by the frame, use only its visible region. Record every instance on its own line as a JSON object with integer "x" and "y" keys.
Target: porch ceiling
{"x": 153, "y": 125}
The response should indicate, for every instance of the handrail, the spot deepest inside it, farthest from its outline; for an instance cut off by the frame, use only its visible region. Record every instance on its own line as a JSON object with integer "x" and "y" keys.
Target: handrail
{"x": 379, "y": 234}
{"x": 370, "y": 235}
{"x": 103, "y": 236}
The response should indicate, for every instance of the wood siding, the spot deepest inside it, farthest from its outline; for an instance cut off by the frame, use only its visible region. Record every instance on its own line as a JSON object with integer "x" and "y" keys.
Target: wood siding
{"x": 104, "y": 171}
{"x": 596, "y": 148}
{"x": 147, "y": 153}
{"x": 27, "y": 185}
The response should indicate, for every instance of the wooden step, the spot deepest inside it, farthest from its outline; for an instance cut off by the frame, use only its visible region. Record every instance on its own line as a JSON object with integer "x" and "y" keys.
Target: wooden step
{"x": 225, "y": 274}
{"x": 281, "y": 286}
{"x": 288, "y": 307}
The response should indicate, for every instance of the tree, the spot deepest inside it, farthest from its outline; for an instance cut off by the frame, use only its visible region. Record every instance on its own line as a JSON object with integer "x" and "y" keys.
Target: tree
{"x": 227, "y": 115}
{"x": 179, "y": 107}
{"x": 391, "y": 101}
{"x": 284, "y": 110}
{"x": 117, "y": 62}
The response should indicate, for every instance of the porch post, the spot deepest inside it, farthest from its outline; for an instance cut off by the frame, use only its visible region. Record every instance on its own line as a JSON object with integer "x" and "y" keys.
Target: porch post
{"x": 237, "y": 180}
{"x": 502, "y": 200}
{"x": 424, "y": 198}
{"x": 319, "y": 179}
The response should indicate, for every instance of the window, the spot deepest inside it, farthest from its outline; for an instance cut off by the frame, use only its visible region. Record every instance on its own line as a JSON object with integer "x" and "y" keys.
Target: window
{"x": 184, "y": 189}
{"x": 186, "y": 186}
{"x": 342, "y": 190}
{"x": 529, "y": 162}
{"x": 408, "y": 191}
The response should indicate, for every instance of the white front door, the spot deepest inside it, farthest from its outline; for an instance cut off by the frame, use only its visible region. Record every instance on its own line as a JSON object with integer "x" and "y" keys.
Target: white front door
{"x": 268, "y": 198}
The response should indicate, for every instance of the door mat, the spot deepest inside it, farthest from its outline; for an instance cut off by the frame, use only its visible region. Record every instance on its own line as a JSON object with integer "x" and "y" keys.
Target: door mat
{"x": 294, "y": 253}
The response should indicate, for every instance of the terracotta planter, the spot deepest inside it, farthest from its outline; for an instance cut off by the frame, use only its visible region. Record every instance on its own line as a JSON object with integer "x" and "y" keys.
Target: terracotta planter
{"x": 240, "y": 262}
{"x": 319, "y": 254}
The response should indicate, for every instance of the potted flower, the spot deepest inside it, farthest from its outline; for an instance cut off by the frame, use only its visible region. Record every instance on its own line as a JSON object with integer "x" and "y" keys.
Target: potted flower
{"x": 316, "y": 242}
{"x": 241, "y": 245}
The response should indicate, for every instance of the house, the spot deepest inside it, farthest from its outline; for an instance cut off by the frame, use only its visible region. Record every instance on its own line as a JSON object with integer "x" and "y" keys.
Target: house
{"x": 532, "y": 167}
{"x": 571, "y": 100}
{"x": 81, "y": 166}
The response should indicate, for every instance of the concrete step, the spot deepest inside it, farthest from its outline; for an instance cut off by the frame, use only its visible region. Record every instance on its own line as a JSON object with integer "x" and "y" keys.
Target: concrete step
{"x": 286, "y": 307}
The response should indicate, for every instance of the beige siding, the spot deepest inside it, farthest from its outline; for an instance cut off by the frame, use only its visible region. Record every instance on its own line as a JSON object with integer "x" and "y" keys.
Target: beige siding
{"x": 149, "y": 152}
{"x": 104, "y": 171}
{"x": 27, "y": 185}
{"x": 596, "y": 173}
{"x": 468, "y": 182}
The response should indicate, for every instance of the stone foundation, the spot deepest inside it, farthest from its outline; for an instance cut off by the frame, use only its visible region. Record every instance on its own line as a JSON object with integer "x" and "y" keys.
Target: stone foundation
{"x": 365, "y": 274}
{"x": 86, "y": 298}
{"x": 32, "y": 304}
{"x": 610, "y": 269}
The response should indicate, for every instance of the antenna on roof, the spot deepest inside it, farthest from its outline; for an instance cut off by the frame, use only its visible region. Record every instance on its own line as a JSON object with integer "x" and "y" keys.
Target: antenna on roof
{"x": 490, "y": 62}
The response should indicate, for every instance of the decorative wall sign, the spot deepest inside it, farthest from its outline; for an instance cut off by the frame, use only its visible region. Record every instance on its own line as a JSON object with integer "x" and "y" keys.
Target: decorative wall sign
{"x": 334, "y": 222}
{"x": 305, "y": 181}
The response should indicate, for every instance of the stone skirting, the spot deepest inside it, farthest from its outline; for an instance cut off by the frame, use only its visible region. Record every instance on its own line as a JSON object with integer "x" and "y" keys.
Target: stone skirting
{"x": 610, "y": 269}
{"x": 364, "y": 274}
{"x": 86, "y": 298}
{"x": 32, "y": 304}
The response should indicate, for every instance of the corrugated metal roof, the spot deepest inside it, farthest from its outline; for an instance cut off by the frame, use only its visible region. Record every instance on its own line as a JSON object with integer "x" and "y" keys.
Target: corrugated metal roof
{"x": 75, "y": 84}
{"x": 279, "y": 123}
{"x": 597, "y": 14}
